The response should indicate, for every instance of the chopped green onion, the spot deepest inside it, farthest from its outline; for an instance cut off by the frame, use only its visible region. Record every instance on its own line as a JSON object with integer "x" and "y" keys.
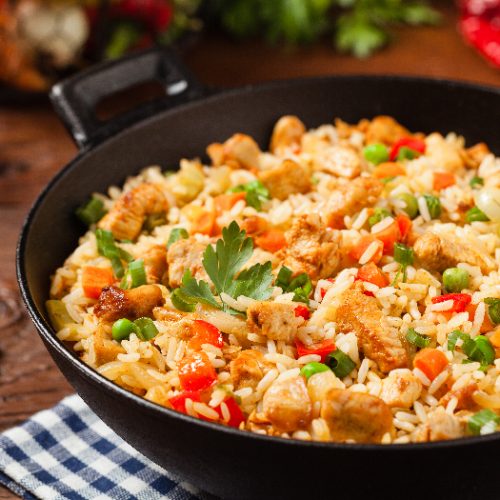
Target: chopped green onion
{"x": 386, "y": 180}
{"x": 106, "y": 247}
{"x": 340, "y": 363}
{"x": 453, "y": 338}
{"x": 181, "y": 302}
{"x": 255, "y": 191}
{"x": 493, "y": 309}
{"x": 376, "y": 153}
{"x": 476, "y": 182}
{"x": 312, "y": 368}
{"x": 154, "y": 220}
{"x": 177, "y": 233}
{"x": 455, "y": 279}
{"x": 479, "y": 349}
{"x": 406, "y": 153}
{"x": 403, "y": 254}
{"x": 147, "y": 329}
{"x": 482, "y": 418}
{"x": 476, "y": 215}
{"x": 411, "y": 202}
{"x": 123, "y": 328}
{"x": 433, "y": 205}
{"x": 135, "y": 275}
{"x": 91, "y": 212}
{"x": 417, "y": 339}
{"x": 378, "y": 214}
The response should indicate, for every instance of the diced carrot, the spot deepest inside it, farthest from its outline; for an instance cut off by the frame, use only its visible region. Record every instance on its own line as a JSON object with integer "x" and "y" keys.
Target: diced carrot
{"x": 336, "y": 222}
{"x": 388, "y": 169}
{"x": 94, "y": 279}
{"x": 225, "y": 202}
{"x": 487, "y": 325}
{"x": 495, "y": 339}
{"x": 443, "y": 180}
{"x": 271, "y": 240}
{"x": 202, "y": 220}
{"x": 404, "y": 224}
{"x": 373, "y": 274}
{"x": 431, "y": 362}
{"x": 388, "y": 237}
{"x": 363, "y": 244}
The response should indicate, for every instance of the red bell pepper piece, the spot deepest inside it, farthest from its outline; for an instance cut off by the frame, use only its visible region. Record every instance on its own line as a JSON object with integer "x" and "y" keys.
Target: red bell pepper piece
{"x": 205, "y": 333}
{"x": 196, "y": 372}
{"x": 323, "y": 348}
{"x": 179, "y": 402}
{"x": 460, "y": 301}
{"x": 483, "y": 33}
{"x": 409, "y": 142}
{"x": 236, "y": 415}
{"x": 404, "y": 224}
{"x": 302, "y": 311}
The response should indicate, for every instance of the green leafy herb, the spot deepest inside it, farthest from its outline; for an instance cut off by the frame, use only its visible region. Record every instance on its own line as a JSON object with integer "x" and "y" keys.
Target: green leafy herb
{"x": 493, "y": 309}
{"x": 177, "y": 233}
{"x": 255, "y": 191}
{"x": 301, "y": 285}
{"x": 254, "y": 282}
{"x": 481, "y": 419}
{"x": 181, "y": 301}
{"x": 198, "y": 291}
{"x": 476, "y": 182}
{"x": 91, "y": 212}
{"x": 417, "y": 339}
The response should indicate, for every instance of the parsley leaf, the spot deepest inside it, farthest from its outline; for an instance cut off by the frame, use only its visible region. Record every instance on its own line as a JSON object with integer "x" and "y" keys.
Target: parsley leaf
{"x": 198, "y": 290}
{"x": 255, "y": 191}
{"x": 254, "y": 282}
{"x": 301, "y": 285}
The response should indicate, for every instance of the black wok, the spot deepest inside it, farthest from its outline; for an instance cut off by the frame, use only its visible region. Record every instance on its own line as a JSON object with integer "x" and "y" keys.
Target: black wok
{"x": 221, "y": 460}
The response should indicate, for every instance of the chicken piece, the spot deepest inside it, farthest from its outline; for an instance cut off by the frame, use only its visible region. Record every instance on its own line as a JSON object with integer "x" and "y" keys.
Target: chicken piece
{"x": 341, "y": 161}
{"x": 115, "y": 303}
{"x": 311, "y": 248}
{"x": 286, "y": 404}
{"x": 286, "y": 179}
{"x": 239, "y": 151}
{"x": 287, "y": 133}
{"x": 350, "y": 198}
{"x": 104, "y": 348}
{"x": 443, "y": 154}
{"x": 438, "y": 252}
{"x": 274, "y": 320}
{"x": 356, "y": 312}
{"x": 155, "y": 264}
{"x": 384, "y": 129}
{"x": 400, "y": 389}
{"x": 247, "y": 369}
{"x": 442, "y": 425}
{"x": 344, "y": 129}
{"x": 464, "y": 394}
{"x": 356, "y": 416}
{"x": 127, "y": 216}
{"x": 474, "y": 156}
{"x": 319, "y": 384}
{"x": 183, "y": 255}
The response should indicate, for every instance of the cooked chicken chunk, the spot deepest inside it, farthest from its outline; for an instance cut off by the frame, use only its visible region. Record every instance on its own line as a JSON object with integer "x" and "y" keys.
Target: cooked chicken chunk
{"x": 356, "y": 312}
{"x": 115, "y": 303}
{"x": 247, "y": 369}
{"x": 311, "y": 248}
{"x": 127, "y": 216}
{"x": 286, "y": 404}
{"x": 286, "y": 179}
{"x": 384, "y": 129}
{"x": 104, "y": 348}
{"x": 274, "y": 320}
{"x": 473, "y": 156}
{"x": 465, "y": 401}
{"x": 239, "y": 151}
{"x": 356, "y": 416}
{"x": 400, "y": 389}
{"x": 183, "y": 255}
{"x": 155, "y": 264}
{"x": 287, "y": 132}
{"x": 319, "y": 384}
{"x": 350, "y": 198}
{"x": 442, "y": 153}
{"x": 342, "y": 161}
{"x": 438, "y": 252}
{"x": 442, "y": 425}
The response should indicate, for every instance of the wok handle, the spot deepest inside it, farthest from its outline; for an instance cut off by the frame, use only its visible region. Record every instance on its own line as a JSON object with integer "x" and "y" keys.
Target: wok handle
{"x": 75, "y": 99}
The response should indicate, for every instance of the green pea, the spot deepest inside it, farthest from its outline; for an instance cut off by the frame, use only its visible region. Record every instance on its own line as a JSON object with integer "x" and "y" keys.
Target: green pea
{"x": 434, "y": 205}
{"x": 411, "y": 203}
{"x": 123, "y": 328}
{"x": 312, "y": 368}
{"x": 455, "y": 279}
{"x": 376, "y": 153}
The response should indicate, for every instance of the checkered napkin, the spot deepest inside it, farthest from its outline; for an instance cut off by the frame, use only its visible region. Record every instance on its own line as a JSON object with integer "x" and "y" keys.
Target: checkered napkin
{"x": 68, "y": 452}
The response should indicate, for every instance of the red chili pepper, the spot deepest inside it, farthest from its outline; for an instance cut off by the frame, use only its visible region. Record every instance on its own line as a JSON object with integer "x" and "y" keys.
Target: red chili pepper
{"x": 196, "y": 372}
{"x": 236, "y": 415}
{"x": 205, "y": 333}
{"x": 323, "y": 349}
{"x": 302, "y": 311}
{"x": 409, "y": 142}
{"x": 460, "y": 301}
{"x": 179, "y": 402}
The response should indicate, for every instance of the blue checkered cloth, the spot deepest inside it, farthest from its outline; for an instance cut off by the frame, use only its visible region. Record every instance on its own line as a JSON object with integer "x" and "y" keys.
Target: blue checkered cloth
{"x": 68, "y": 452}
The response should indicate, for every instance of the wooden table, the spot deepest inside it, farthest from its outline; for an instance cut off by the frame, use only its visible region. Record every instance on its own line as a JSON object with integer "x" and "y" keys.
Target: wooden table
{"x": 34, "y": 145}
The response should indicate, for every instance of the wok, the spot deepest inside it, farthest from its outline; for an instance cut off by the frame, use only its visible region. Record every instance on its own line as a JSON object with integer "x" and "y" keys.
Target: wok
{"x": 217, "y": 459}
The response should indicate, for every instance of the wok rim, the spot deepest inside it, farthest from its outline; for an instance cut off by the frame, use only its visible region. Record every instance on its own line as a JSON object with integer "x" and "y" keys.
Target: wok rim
{"x": 96, "y": 379}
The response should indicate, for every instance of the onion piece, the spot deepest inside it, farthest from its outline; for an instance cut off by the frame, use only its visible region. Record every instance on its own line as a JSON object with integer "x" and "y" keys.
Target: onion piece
{"x": 488, "y": 200}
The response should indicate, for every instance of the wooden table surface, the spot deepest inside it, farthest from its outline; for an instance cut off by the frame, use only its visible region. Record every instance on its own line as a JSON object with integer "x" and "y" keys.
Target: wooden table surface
{"x": 34, "y": 145}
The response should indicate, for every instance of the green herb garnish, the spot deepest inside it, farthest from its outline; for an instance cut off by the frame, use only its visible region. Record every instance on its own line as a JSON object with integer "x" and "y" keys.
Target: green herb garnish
{"x": 255, "y": 191}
